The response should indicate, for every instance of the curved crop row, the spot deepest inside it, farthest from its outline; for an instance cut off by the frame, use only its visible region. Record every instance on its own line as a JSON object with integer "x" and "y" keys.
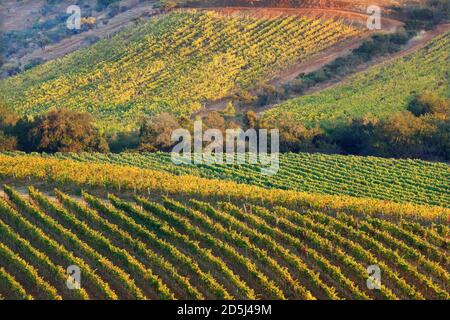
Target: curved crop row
{"x": 398, "y": 180}
{"x": 171, "y": 63}
{"x": 204, "y": 250}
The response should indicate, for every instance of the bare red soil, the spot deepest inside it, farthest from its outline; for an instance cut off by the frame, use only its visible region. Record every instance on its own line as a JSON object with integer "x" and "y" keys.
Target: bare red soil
{"x": 348, "y": 5}
{"x": 78, "y": 41}
{"x": 334, "y": 14}
{"x": 330, "y": 55}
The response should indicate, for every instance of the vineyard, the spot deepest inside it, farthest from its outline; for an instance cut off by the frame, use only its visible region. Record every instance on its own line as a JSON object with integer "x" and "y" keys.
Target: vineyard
{"x": 413, "y": 181}
{"x": 380, "y": 91}
{"x": 78, "y": 222}
{"x": 127, "y": 179}
{"x": 141, "y": 249}
{"x": 174, "y": 62}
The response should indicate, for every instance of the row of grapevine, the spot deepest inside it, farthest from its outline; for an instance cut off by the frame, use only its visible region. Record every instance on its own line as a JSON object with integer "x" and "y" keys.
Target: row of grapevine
{"x": 379, "y": 91}
{"x": 145, "y": 181}
{"x": 412, "y": 181}
{"x": 172, "y": 222}
{"x": 354, "y": 250}
{"x": 296, "y": 244}
{"x": 263, "y": 242}
{"x": 155, "y": 242}
{"x": 389, "y": 257}
{"x": 98, "y": 289}
{"x": 173, "y": 63}
{"x": 204, "y": 250}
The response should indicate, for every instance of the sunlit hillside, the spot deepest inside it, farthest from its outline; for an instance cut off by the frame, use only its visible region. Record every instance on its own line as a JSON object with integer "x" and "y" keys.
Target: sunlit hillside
{"x": 379, "y": 91}
{"x": 172, "y": 63}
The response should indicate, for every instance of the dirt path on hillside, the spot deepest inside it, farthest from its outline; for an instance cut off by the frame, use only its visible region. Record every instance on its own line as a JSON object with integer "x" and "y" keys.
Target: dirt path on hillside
{"x": 414, "y": 44}
{"x": 316, "y": 61}
{"x": 333, "y": 14}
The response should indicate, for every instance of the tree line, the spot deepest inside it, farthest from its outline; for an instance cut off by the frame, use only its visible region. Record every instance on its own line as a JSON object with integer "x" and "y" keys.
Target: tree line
{"x": 423, "y": 131}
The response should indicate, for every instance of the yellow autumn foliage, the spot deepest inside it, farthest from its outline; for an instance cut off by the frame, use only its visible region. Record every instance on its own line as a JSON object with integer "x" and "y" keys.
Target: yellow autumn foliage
{"x": 123, "y": 178}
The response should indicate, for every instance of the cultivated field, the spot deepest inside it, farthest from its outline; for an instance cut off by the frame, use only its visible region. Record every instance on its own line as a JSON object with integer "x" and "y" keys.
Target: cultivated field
{"x": 124, "y": 178}
{"x": 172, "y": 63}
{"x": 148, "y": 250}
{"x": 413, "y": 181}
{"x": 380, "y": 91}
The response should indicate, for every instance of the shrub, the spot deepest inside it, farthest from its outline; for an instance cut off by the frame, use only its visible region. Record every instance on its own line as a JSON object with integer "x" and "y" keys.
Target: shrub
{"x": 155, "y": 132}
{"x": 63, "y": 131}
{"x": 230, "y": 110}
{"x": 429, "y": 102}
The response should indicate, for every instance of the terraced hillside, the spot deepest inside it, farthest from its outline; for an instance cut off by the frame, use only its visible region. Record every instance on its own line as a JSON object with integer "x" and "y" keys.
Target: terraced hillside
{"x": 146, "y": 250}
{"x": 350, "y": 5}
{"x": 379, "y": 91}
{"x": 172, "y": 63}
{"x": 413, "y": 181}
{"x": 128, "y": 179}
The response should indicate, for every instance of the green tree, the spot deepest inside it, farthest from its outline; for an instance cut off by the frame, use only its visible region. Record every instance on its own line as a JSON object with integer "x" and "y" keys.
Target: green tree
{"x": 156, "y": 132}
{"x": 63, "y": 131}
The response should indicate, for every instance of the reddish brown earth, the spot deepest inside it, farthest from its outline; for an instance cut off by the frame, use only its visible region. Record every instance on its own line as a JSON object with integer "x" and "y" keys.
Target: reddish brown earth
{"x": 22, "y": 15}
{"x": 349, "y": 5}
{"x": 314, "y": 64}
{"x": 330, "y": 55}
{"x": 334, "y": 14}
{"x": 326, "y": 10}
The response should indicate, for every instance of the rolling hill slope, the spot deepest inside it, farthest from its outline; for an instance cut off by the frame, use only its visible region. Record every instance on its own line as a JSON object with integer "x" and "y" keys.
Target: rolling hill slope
{"x": 168, "y": 250}
{"x": 172, "y": 63}
{"x": 136, "y": 226}
{"x": 48, "y": 171}
{"x": 380, "y": 91}
{"x": 147, "y": 234}
{"x": 404, "y": 181}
